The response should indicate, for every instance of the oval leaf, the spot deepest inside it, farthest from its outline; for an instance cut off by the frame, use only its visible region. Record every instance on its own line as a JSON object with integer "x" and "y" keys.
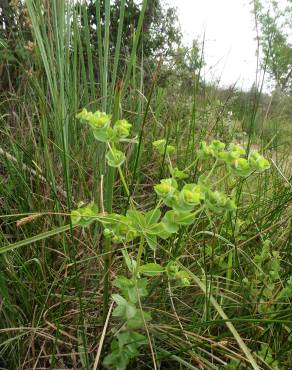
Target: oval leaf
{"x": 151, "y": 269}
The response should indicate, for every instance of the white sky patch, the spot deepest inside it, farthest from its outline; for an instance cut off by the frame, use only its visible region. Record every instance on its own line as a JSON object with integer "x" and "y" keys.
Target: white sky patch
{"x": 230, "y": 46}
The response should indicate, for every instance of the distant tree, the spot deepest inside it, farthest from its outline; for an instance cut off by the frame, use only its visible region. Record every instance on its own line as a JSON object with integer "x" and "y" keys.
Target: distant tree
{"x": 161, "y": 33}
{"x": 183, "y": 67}
{"x": 275, "y": 40}
{"x": 15, "y": 35}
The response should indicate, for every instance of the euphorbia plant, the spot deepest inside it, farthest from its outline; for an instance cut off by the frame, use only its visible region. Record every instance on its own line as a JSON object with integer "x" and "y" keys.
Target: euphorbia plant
{"x": 183, "y": 200}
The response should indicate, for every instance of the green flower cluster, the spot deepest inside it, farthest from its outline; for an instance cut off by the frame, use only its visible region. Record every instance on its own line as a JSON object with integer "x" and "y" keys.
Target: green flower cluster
{"x": 118, "y": 228}
{"x": 192, "y": 195}
{"x": 175, "y": 273}
{"x": 161, "y": 147}
{"x": 234, "y": 157}
{"x": 179, "y": 174}
{"x": 213, "y": 149}
{"x": 218, "y": 202}
{"x": 103, "y": 131}
{"x": 84, "y": 216}
{"x": 98, "y": 120}
{"x": 121, "y": 129}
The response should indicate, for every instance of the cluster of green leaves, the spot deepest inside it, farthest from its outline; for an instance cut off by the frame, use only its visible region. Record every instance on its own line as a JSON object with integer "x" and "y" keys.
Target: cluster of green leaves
{"x": 127, "y": 340}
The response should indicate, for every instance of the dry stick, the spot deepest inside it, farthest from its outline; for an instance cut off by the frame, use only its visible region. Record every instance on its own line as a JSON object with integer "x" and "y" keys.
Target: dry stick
{"x": 102, "y": 338}
{"x": 32, "y": 172}
{"x": 39, "y": 355}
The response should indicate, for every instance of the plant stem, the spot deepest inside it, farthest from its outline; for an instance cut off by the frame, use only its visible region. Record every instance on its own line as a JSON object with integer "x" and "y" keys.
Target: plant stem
{"x": 110, "y": 178}
{"x": 139, "y": 255}
{"x": 124, "y": 181}
{"x": 212, "y": 169}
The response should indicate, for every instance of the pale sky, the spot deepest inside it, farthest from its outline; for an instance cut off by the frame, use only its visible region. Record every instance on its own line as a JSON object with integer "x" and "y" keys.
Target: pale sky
{"x": 230, "y": 46}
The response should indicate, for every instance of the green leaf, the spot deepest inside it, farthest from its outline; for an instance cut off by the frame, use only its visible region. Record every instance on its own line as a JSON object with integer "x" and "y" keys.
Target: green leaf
{"x": 124, "y": 339}
{"x": 130, "y": 311}
{"x": 169, "y": 222}
{"x": 137, "y": 218}
{"x": 151, "y": 269}
{"x": 119, "y": 311}
{"x": 103, "y": 135}
{"x": 154, "y": 229}
{"x": 131, "y": 264}
{"x": 112, "y": 359}
{"x": 153, "y": 216}
{"x": 122, "y": 282}
{"x": 124, "y": 309}
{"x": 119, "y": 299}
{"x": 138, "y": 339}
{"x": 115, "y": 158}
{"x": 137, "y": 291}
{"x": 163, "y": 234}
{"x": 151, "y": 241}
{"x": 186, "y": 218}
{"x": 137, "y": 321}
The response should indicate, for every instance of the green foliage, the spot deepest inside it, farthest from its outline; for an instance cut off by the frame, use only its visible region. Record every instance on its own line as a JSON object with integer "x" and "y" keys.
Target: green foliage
{"x": 153, "y": 224}
{"x": 151, "y": 269}
{"x": 178, "y": 174}
{"x": 267, "y": 354}
{"x": 123, "y": 349}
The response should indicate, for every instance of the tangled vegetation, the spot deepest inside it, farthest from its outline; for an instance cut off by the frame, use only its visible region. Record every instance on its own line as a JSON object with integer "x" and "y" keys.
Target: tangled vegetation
{"x": 152, "y": 228}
